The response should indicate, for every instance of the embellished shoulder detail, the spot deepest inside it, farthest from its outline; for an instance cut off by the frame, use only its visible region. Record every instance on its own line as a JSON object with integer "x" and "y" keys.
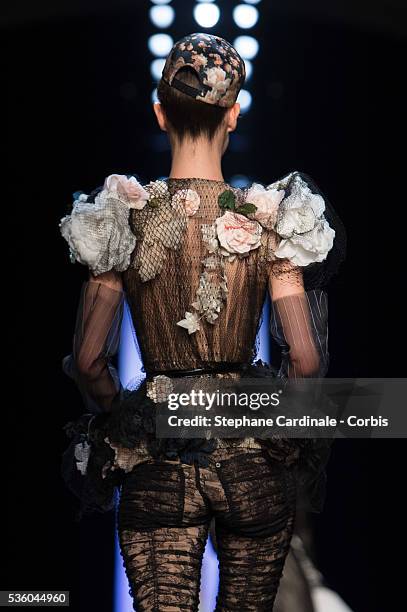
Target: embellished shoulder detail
{"x": 306, "y": 235}
{"x": 307, "y": 231}
{"x": 97, "y": 230}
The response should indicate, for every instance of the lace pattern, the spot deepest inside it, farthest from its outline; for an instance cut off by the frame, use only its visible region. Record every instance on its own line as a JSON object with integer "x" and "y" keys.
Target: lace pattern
{"x": 163, "y": 521}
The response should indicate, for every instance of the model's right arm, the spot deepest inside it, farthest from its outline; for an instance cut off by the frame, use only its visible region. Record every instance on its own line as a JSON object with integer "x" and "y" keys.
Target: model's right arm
{"x": 99, "y": 236}
{"x": 96, "y": 339}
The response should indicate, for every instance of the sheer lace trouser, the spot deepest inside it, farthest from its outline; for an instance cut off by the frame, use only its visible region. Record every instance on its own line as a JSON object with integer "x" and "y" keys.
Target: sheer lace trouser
{"x": 164, "y": 515}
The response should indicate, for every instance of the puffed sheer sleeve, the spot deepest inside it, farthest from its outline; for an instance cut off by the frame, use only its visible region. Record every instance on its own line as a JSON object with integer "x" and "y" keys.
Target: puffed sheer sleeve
{"x": 299, "y": 326}
{"x": 98, "y": 231}
{"x": 99, "y": 236}
{"x": 95, "y": 343}
{"x": 308, "y": 244}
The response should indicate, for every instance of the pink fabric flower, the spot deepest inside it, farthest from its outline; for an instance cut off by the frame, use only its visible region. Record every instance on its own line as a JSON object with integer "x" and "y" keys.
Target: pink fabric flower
{"x": 128, "y": 188}
{"x": 187, "y": 197}
{"x": 237, "y": 233}
{"x": 267, "y": 202}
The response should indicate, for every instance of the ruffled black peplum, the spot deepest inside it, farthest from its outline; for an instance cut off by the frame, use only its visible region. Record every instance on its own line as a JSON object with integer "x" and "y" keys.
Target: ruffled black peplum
{"x": 87, "y": 460}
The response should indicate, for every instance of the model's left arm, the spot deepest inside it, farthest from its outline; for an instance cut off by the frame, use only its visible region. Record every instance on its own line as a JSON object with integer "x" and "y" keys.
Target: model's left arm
{"x": 298, "y": 323}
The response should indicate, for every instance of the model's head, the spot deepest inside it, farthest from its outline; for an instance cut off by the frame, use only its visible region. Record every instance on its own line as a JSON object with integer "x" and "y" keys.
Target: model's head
{"x": 197, "y": 92}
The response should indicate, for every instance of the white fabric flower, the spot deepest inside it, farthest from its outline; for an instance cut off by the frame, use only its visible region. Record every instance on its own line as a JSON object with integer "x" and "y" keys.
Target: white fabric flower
{"x": 99, "y": 234}
{"x": 310, "y": 247}
{"x": 300, "y": 211}
{"x": 237, "y": 233}
{"x": 296, "y": 221}
{"x": 306, "y": 235}
{"x": 267, "y": 202}
{"x": 191, "y": 322}
{"x": 129, "y": 189}
{"x": 157, "y": 189}
{"x": 187, "y": 197}
{"x": 209, "y": 237}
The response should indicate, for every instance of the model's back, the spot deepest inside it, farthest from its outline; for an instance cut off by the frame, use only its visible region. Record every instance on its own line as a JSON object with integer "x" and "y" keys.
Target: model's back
{"x": 179, "y": 273}
{"x": 197, "y": 256}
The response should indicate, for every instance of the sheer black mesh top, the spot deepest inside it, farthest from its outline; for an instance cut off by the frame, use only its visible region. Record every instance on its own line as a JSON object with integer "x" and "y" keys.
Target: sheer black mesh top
{"x": 175, "y": 245}
{"x": 198, "y": 255}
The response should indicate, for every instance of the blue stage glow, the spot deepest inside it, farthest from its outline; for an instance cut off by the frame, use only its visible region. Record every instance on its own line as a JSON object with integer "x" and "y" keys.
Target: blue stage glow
{"x": 209, "y": 579}
{"x": 129, "y": 365}
{"x": 154, "y": 97}
{"x": 263, "y": 335}
{"x": 156, "y": 68}
{"x": 245, "y": 100}
{"x": 249, "y": 68}
{"x": 240, "y": 180}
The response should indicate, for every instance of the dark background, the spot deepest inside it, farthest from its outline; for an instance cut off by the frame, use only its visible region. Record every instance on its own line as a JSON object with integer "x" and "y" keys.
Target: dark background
{"x": 326, "y": 88}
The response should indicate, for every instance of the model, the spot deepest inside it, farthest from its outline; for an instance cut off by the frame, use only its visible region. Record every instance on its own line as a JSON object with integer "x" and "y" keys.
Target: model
{"x": 194, "y": 257}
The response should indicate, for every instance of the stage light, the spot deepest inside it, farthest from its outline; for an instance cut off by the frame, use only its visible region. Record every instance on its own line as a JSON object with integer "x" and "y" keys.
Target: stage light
{"x": 156, "y": 68}
{"x": 245, "y": 100}
{"x": 246, "y": 46}
{"x": 154, "y": 97}
{"x": 160, "y": 44}
{"x": 240, "y": 180}
{"x": 245, "y": 16}
{"x": 162, "y": 16}
{"x": 249, "y": 68}
{"x": 252, "y": 1}
{"x": 160, "y": 1}
{"x": 206, "y": 14}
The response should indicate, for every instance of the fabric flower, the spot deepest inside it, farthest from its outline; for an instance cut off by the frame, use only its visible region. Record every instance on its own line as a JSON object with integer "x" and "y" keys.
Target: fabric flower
{"x": 237, "y": 233}
{"x": 300, "y": 210}
{"x": 159, "y": 388}
{"x": 267, "y": 202}
{"x": 187, "y": 197}
{"x": 306, "y": 235}
{"x": 157, "y": 189}
{"x": 128, "y": 188}
{"x": 191, "y": 322}
{"x": 296, "y": 221}
{"x": 98, "y": 233}
{"x": 310, "y": 247}
{"x": 210, "y": 294}
{"x": 209, "y": 237}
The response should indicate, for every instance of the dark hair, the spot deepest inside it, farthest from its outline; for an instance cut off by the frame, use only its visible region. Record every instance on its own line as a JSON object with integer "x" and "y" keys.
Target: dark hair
{"x": 187, "y": 116}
